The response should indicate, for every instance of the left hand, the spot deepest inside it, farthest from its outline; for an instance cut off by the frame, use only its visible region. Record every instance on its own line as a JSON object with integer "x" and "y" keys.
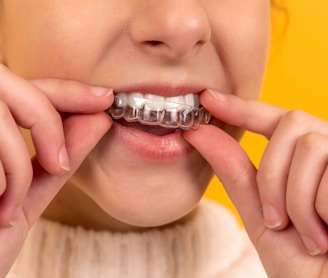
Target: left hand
{"x": 282, "y": 203}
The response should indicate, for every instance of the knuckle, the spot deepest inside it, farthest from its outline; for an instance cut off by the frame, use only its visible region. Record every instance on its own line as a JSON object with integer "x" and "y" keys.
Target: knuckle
{"x": 295, "y": 117}
{"x": 244, "y": 176}
{"x": 46, "y": 114}
{"x": 264, "y": 177}
{"x": 293, "y": 211}
{"x": 311, "y": 142}
{"x": 53, "y": 117}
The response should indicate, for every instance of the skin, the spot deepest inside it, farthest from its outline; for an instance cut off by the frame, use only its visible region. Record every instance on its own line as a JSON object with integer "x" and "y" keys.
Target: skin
{"x": 78, "y": 51}
{"x": 300, "y": 207}
{"x": 123, "y": 55}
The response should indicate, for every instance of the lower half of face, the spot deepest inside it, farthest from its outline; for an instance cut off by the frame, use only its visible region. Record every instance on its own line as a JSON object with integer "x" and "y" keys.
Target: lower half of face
{"x": 144, "y": 179}
{"x": 141, "y": 175}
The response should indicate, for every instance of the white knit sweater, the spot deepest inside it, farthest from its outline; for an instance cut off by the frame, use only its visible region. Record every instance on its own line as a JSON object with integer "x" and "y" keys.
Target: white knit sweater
{"x": 210, "y": 245}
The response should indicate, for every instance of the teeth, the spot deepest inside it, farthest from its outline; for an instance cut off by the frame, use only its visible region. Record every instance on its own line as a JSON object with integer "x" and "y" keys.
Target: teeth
{"x": 136, "y": 100}
{"x": 121, "y": 100}
{"x": 171, "y": 112}
{"x": 153, "y": 102}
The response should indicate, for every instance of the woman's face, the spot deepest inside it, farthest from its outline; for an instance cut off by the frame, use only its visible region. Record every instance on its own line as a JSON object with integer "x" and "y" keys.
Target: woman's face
{"x": 161, "y": 47}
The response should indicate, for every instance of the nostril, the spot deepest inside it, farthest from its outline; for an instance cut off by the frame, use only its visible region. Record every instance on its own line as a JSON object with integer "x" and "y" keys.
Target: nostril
{"x": 154, "y": 43}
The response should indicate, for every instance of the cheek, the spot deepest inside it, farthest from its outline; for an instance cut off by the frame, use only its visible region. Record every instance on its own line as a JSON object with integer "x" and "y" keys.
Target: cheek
{"x": 58, "y": 38}
{"x": 241, "y": 36}
{"x": 37, "y": 55}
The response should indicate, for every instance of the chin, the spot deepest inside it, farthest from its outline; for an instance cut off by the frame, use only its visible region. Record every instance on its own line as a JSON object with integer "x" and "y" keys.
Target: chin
{"x": 154, "y": 198}
{"x": 144, "y": 193}
{"x": 154, "y": 210}
{"x": 155, "y": 216}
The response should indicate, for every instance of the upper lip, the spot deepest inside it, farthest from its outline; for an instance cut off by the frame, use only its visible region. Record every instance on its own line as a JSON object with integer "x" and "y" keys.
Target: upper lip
{"x": 161, "y": 90}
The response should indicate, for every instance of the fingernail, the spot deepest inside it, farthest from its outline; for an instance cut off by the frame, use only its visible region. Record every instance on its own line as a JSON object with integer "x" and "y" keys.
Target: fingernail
{"x": 272, "y": 218}
{"x": 101, "y": 92}
{"x": 217, "y": 95}
{"x": 63, "y": 159}
{"x": 312, "y": 247}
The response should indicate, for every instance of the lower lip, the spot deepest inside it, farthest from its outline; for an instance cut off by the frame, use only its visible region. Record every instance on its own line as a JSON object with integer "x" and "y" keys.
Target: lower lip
{"x": 167, "y": 148}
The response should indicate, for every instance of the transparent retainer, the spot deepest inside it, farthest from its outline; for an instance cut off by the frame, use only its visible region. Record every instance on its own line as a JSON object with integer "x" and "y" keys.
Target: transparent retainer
{"x": 160, "y": 113}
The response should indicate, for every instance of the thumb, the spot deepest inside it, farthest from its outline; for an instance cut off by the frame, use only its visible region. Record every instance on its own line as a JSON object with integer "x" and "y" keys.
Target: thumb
{"x": 235, "y": 170}
{"x": 82, "y": 133}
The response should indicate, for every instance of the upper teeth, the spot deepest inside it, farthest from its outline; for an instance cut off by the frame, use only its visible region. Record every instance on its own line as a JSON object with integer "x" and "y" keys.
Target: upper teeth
{"x": 155, "y": 102}
{"x": 169, "y": 112}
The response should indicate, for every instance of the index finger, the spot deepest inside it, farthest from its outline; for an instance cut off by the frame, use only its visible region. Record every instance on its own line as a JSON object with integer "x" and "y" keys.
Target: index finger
{"x": 75, "y": 97}
{"x": 251, "y": 115}
{"x": 32, "y": 110}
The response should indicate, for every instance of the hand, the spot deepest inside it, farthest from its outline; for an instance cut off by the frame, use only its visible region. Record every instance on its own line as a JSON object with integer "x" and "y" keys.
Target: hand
{"x": 282, "y": 203}
{"x": 27, "y": 187}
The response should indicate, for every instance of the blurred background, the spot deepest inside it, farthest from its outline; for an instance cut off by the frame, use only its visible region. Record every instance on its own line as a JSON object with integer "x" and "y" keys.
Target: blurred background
{"x": 297, "y": 75}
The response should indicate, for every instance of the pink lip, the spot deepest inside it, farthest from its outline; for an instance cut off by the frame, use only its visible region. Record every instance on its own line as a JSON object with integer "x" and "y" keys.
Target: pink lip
{"x": 146, "y": 146}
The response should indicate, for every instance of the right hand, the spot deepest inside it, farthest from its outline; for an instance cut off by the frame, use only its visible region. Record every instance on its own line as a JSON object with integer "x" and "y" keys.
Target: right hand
{"x": 61, "y": 143}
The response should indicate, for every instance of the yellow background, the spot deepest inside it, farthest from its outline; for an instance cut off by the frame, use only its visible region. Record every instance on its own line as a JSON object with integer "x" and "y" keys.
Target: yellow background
{"x": 297, "y": 76}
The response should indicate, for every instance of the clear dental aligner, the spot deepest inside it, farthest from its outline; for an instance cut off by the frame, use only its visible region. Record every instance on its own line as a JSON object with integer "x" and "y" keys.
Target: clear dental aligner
{"x": 171, "y": 112}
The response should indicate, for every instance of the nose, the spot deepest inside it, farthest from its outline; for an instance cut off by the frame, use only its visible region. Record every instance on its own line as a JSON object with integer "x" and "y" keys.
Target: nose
{"x": 171, "y": 28}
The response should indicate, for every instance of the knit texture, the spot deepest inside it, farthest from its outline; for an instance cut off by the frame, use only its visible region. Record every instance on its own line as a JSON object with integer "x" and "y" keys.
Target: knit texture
{"x": 210, "y": 245}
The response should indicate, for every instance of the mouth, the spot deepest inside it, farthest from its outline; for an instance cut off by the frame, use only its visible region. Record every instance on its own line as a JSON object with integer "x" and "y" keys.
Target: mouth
{"x": 158, "y": 115}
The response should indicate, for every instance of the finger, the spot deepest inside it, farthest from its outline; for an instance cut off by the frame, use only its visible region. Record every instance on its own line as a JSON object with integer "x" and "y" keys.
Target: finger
{"x": 233, "y": 167}
{"x": 251, "y": 115}
{"x": 75, "y": 97}
{"x": 307, "y": 167}
{"x": 71, "y": 97}
{"x": 275, "y": 165}
{"x": 32, "y": 110}
{"x": 321, "y": 203}
{"x": 2, "y": 180}
{"x": 264, "y": 119}
{"x": 83, "y": 132}
{"x": 16, "y": 170}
